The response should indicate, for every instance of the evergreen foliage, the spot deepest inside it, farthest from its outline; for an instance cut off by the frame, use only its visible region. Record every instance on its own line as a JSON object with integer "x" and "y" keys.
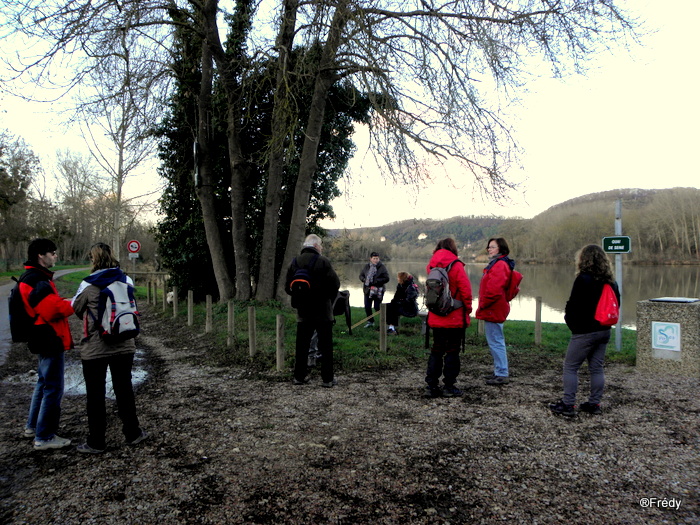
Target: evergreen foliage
{"x": 181, "y": 231}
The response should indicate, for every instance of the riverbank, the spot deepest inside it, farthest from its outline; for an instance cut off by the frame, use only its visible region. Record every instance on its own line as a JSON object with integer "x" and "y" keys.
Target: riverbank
{"x": 232, "y": 445}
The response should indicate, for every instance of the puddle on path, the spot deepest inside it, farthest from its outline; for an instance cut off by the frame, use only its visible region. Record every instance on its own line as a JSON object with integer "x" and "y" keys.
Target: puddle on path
{"x": 75, "y": 384}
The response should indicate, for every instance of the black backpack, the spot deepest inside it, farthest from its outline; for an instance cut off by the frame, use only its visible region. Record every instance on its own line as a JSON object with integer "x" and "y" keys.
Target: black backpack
{"x": 438, "y": 298}
{"x": 21, "y": 323}
{"x": 301, "y": 286}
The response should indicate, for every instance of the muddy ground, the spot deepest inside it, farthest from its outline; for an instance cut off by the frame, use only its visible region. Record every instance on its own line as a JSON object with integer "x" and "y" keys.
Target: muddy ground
{"x": 229, "y": 447}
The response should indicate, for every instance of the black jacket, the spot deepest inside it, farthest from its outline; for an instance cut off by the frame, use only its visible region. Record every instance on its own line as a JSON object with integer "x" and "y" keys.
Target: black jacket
{"x": 380, "y": 278}
{"x": 406, "y": 297}
{"x": 325, "y": 286}
{"x": 579, "y": 313}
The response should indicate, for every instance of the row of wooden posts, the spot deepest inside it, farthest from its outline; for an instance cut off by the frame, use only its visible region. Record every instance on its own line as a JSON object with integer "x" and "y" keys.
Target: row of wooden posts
{"x": 152, "y": 298}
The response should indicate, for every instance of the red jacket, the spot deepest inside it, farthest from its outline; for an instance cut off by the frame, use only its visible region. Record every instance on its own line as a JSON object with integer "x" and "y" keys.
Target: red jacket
{"x": 42, "y": 300}
{"x": 493, "y": 305}
{"x": 460, "y": 288}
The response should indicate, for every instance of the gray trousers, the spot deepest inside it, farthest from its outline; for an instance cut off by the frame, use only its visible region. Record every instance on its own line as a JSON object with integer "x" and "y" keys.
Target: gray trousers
{"x": 590, "y": 347}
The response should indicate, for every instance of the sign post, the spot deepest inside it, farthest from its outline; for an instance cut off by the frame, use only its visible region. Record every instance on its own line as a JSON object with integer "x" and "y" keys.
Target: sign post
{"x": 618, "y": 245}
{"x": 134, "y": 247}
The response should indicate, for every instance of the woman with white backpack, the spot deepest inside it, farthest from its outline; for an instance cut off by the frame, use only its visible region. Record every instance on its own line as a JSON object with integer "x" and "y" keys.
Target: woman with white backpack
{"x": 103, "y": 348}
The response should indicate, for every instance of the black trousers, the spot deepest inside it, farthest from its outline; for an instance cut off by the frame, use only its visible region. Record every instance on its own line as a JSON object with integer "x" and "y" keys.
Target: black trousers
{"x": 95, "y": 374}
{"x": 444, "y": 356}
{"x": 305, "y": 330}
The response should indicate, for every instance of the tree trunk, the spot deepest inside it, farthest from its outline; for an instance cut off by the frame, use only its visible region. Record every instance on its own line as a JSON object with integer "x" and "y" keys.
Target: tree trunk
{"x": 267, "y": 276}
{"x": 205, "y": 193}
{"x": 308, "y": 165}
{"x": 238, "y": 163}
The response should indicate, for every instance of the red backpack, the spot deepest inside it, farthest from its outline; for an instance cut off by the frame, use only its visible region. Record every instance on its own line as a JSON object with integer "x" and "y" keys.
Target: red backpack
{"x": 607, "y": 313}
{"x": 513, "y": 285}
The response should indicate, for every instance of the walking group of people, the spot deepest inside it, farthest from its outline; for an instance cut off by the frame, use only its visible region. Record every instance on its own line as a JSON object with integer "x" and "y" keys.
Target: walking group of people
{"x": 51, "y": 337}
{"x": 588, "y": 340}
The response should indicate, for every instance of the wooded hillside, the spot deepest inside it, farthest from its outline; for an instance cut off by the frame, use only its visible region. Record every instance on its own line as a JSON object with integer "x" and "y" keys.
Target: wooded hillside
{"x": 664, "y": 227}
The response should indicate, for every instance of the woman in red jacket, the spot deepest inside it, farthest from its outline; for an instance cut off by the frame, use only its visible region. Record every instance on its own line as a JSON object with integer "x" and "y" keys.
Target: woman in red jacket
{"x": 448, "y": 330}
{"x": 493, "y": 306}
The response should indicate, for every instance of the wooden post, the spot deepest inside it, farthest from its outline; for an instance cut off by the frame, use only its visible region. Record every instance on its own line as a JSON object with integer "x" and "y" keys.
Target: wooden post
{"x": 251, "y": 330}
{"x": 165, "y": 295}
{"x": 230, "y": 324}
{"x": 155, "y": 292}
{"x": 280, "y": 343}
{"x": 538, "y": 320}
{"x": 148, "y": 292}
{"x": 480, "y": 327}
{"x": 175, "y": 302}
{"x": 190, "y": 307}
{"x": 382, "y": 327}
{"x": 208, "y": 323}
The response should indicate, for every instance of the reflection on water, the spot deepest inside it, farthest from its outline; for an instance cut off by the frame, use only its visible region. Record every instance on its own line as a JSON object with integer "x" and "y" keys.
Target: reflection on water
{"x": 551, "y": 282}
{"x": 75, "y": 384}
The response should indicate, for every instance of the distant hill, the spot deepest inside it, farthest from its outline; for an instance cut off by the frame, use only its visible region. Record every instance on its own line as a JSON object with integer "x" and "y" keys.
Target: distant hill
{"x": 664, "y": 226}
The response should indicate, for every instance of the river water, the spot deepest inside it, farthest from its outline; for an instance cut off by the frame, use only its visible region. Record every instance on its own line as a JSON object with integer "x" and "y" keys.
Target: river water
{"x": 550, "y": 282}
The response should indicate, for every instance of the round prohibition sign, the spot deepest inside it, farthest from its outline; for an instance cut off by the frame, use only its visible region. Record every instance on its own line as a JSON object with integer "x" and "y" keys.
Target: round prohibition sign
{"x": 133, "y": 246}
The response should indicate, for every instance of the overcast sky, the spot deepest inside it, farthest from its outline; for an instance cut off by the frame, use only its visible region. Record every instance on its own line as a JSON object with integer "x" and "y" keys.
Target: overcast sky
{"x": 631, "y": 122}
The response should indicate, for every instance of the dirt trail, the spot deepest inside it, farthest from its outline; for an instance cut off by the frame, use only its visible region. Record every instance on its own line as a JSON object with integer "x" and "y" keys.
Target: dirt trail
{"x": 226, "y": 448}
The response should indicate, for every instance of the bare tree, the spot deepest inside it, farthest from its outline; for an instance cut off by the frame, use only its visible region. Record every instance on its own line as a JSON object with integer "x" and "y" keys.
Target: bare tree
{"x": 434, "y": 72}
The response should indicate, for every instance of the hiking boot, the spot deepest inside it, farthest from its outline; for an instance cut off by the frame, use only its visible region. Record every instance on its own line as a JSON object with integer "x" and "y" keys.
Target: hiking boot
{"x": 138, "y": 440}
{"x": 498, "y": 380}
{"x": 432, "y": 391}
{"x": 330, "y": 384}
{"x": 87, "y": 449}
{"x": 296, "y": 381}
{"x": 451, "y": 391}
{"x": 562, "y": 409}
{"x": 391, "y": 330}
{"x": 590, "y": 408}
{"x": 370, "y": 324}
{"x": 29, "y": 432}
{"x": 54, "y": 442}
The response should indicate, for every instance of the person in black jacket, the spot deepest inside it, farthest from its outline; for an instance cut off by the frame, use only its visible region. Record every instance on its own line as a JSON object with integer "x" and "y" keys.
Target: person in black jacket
{"x": 374, "y": 277}
{"x": 589, "y": 338}
{"x": 316, "y": 314}
{"x": 404, "y": 302}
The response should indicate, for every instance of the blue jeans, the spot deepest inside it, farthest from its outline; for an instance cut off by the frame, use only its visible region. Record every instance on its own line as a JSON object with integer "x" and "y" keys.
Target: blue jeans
{"x": 45, "y": 408}
{"x": 582, "y": 347}
{"x": 497, "y": 346}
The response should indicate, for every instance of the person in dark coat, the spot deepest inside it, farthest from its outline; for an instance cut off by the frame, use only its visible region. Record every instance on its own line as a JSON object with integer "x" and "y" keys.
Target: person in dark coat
{"x": 404, "y": 303}
{"x": 374, "y": 277}
{"x": 589, "y": 339}
{"x": 316, "y": 314}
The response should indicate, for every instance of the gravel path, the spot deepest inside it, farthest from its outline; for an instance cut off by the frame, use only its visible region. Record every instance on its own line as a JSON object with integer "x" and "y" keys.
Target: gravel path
{"x": 228, "y": 448}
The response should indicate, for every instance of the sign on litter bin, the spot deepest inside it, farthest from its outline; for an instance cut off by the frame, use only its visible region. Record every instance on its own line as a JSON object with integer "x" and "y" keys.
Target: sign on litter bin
{"x": 620, "y": 244}
{"x": 666, "y": 336}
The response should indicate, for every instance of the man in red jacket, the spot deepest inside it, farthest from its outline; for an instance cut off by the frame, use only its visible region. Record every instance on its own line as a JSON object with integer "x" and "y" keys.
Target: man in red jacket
{"x": 49, "y": 339}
